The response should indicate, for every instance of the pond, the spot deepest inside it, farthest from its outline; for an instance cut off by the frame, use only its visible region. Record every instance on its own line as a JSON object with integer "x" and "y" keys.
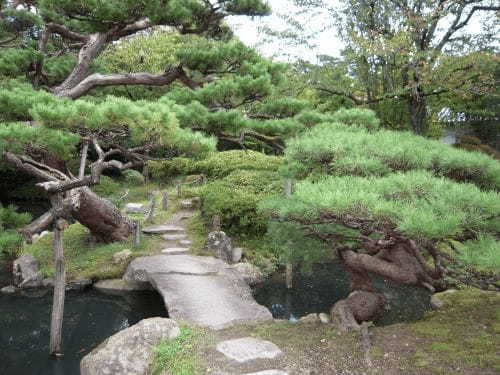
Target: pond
{"x": 328, "y": 283}
{"x": 89, "y": 318}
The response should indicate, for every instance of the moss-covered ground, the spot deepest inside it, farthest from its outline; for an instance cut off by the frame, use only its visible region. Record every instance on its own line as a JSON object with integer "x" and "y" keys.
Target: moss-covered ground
{"x": 461, "y": 338}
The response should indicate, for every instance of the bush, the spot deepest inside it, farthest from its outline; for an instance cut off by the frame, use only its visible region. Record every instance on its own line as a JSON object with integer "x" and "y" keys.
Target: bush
{"x": 133, "y": 177}
{"x": 235, "y": 198}
{"x": 357, "y": 116}
{"x": 11, "y": 245}
{"x": 106, "y": 187}
{"x": 216, "y": 165}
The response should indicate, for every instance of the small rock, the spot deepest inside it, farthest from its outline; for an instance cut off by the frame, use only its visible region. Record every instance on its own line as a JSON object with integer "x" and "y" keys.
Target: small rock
{"x": 48, "y": 283}
{"x": 26, "y": 273}
{"x": 78, "y": 285}
{"x": 11, "y": 289}
{"x": 438, "y": 300}
{"x": 324, "y": 318}
{"x": 130, "y": 351}
{"x": 219, "y": 244}
{"x": 187, "y": 204}
{"x": 122, "y": 256}
{"x": 250, "y": 273}
{"x": 310, "y": 318}
{"x": 248, "y": 349}
{"x": 237, "y": 254}
{"x": 136, "y": 208}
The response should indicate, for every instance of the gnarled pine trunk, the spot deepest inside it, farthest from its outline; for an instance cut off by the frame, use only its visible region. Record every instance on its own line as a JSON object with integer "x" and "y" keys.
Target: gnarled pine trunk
{"x": 104, "y": 220}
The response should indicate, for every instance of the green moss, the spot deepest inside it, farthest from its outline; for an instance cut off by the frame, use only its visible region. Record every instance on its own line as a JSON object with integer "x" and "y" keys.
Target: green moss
{"x": 463, "y": 332}
{"x": 177, "y": 356}
{"x": 377, "y": 352}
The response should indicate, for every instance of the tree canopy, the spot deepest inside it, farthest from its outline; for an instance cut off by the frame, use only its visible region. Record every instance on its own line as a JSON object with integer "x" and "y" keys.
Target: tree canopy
{"x": 386, "y": 202}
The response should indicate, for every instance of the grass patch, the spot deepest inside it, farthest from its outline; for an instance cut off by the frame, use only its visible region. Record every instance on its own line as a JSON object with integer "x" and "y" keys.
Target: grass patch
{"x": 82, "y": 259}
{"x": 464, "y": 332}
{"x": 177, "y": 356}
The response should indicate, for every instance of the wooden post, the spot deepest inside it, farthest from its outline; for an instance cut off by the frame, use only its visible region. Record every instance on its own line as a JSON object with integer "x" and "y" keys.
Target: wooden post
{"x": 151, "y": 213}
{"x": 216, "y": 224}
{"x": 288, "y": 187}
{"x": 164, "y": 201}
{"x": 83, "y": 160}
{"x": 179, "y": 190}
{"x": 59, "y": 280}
{"x": 137, "y": 233}
{"x": 145, "y": 173}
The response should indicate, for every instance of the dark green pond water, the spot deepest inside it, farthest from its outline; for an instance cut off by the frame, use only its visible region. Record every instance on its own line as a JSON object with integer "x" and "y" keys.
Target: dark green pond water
{"x": 329, "y": 283}
{"x": 90, "y": 317}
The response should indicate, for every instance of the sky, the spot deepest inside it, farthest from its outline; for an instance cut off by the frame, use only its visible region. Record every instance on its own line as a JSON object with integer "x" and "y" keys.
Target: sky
{"x": 326, "y": 43}
{"x": 247, "y": 29}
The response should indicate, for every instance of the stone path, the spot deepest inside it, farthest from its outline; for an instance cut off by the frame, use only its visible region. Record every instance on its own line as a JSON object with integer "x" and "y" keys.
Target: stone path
{"x": 204, "y": 291}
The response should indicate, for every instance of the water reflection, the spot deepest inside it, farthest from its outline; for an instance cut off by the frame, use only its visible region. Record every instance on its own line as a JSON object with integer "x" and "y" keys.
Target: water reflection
{"x": 89, "y": 319}
{"x": 329, "y": 283}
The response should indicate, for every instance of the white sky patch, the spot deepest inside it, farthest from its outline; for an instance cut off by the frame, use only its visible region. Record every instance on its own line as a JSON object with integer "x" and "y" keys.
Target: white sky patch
{"x": 325, "y": 43}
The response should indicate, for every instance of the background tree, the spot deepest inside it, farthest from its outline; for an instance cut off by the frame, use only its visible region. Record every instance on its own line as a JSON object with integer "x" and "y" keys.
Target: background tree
{"x": 388, "y": 203}
{"x": 406, "y": 53}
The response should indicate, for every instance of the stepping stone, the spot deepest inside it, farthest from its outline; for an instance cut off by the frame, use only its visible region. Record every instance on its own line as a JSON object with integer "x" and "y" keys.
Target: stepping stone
{"x": 248, "y": 349}
{"x": 136, "y": 208}
{"x": 269, "y": 372}
{"x": 185, "y": 242}
{"x": 163, "y": 229}
{"x": 173, "y": 237}
{"x": 175, "y": 250}
{"x": 187, "y": 204}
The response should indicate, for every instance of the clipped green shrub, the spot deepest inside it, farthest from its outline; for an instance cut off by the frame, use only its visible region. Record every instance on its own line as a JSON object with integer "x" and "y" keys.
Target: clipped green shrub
{"x": 235, "y": 198}
{"x": 132, "y": 177}
{"x": 216, "y": 165}
{"x": 107, "y": 187}
{"x": 163, "y": 170}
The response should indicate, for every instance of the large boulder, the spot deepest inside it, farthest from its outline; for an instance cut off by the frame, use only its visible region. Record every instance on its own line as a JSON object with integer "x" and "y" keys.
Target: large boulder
{"x": 26, "y": 272}
{"x": 219, "y": 244}
{"x": 129, "y": 351}
{"x": 122, "y": 256}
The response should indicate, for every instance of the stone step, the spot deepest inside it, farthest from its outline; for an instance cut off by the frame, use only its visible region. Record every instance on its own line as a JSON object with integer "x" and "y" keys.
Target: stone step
{"x": 163, "y": 229}
{"x": 175, "y": 250}
{"x": 189, "y": 204}
{"x": 173, "y": 237}
{"x": 248, "y": 349}
{"x": 185, "y": 242}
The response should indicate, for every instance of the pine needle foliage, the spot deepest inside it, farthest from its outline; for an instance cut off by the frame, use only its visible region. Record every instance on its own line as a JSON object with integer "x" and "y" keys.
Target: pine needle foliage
{"x": 382, "y": 181}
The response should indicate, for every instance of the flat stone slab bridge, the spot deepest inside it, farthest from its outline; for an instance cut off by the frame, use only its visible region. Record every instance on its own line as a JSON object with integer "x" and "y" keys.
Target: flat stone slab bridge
{"x": 196, "y": 289}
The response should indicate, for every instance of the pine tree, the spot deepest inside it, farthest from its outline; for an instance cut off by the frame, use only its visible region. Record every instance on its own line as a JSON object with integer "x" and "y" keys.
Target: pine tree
{"x": 54, "y": 102}
{"x": 409, "y": 209}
